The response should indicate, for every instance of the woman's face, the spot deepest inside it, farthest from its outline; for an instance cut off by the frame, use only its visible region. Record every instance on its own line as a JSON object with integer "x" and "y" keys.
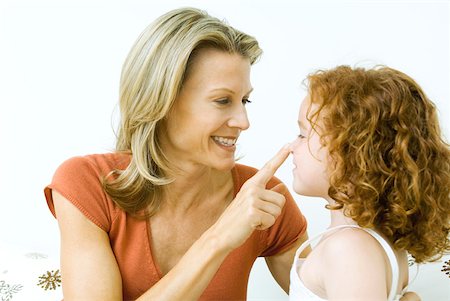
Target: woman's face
{"x": 310, "y": 157}
{"x": 209, "y": 113}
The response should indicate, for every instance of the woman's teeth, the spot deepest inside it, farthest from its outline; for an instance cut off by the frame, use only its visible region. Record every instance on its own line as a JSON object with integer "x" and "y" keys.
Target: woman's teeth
{"x": 224, "y": 141}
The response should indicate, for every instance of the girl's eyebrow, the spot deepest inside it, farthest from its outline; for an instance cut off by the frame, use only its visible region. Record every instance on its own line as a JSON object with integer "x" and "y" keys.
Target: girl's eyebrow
{"x": 301, "y": 125}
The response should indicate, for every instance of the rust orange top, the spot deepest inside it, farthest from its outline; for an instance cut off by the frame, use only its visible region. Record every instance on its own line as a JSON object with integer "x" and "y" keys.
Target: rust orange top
{"x": 78, "y": 180}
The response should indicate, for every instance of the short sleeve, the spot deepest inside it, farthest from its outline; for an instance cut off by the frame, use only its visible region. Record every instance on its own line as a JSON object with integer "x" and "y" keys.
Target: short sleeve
{"x": 79, "y": 181}
{"x": 288, "y": 227}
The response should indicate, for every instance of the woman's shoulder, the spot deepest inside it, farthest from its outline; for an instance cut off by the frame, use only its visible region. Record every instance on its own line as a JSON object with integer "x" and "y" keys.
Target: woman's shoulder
{"x": 245, "y": 169}
{"x": 79, "y": 180}
{"x": 100, "y": 163}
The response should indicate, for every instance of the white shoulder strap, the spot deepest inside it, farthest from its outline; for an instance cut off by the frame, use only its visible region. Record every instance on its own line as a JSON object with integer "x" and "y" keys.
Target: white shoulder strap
{"x": 392, "y": 260}
{"x": 387, "y": 248}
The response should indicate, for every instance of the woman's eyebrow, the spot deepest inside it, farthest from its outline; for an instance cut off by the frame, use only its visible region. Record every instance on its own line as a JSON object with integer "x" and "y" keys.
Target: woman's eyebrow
{"x": 231, "y": 91}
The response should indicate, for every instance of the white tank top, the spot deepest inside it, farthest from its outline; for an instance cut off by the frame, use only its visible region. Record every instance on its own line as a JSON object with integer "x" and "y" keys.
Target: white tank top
{"x": 297, "y": 289}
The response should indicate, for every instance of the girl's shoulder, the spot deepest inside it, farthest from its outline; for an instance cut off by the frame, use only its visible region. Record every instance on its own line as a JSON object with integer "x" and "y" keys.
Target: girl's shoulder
{"x": 352, "y": 245}
{"x": 353, "y": 259}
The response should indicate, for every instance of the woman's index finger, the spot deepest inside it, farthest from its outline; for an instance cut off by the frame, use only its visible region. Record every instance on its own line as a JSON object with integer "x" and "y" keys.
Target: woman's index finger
{"x": 268, "y": 170}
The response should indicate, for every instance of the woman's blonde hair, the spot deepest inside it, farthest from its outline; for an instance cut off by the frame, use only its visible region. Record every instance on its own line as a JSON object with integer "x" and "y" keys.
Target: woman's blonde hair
{"x": 390, "y": 168}
{"x": 151, "y": 79}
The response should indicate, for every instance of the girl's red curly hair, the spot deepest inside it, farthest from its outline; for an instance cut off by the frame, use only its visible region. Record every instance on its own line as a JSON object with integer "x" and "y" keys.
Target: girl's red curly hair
{"x": 390, "y": 166}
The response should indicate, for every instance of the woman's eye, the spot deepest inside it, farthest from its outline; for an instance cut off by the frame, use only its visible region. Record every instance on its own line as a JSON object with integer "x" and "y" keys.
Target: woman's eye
{"x": 246, "y": 101}
{"x": 226, "y": 101}
{"x": 301, "y": 136}
{"x": 223, "y": 101}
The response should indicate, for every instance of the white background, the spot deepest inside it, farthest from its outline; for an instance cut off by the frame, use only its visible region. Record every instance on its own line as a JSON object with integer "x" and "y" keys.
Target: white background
{"x": 60, "y": 64}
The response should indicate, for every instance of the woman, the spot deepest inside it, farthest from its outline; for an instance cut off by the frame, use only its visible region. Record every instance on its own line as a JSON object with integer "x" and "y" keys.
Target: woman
{"x": 370, "y": 145}
{"x": 168, "y": 216}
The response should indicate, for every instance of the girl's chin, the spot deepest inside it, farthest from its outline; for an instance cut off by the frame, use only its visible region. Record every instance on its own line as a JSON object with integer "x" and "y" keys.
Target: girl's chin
{"x": 301, "y": 190}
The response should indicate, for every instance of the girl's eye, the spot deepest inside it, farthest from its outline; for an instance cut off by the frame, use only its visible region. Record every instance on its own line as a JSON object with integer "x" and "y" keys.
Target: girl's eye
{"x": 246, "y": 101}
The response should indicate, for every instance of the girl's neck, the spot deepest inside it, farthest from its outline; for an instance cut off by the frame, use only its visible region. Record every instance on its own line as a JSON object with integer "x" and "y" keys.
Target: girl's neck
{"x": 337, "y": 217}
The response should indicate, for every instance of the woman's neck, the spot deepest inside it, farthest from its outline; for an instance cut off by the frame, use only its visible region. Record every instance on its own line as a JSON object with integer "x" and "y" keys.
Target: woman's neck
{"x": 192, "y": 187}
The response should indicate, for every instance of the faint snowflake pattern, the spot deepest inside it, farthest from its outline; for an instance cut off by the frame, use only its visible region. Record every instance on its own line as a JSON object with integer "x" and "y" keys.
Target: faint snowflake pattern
{"x": 7, "y": 291}
{"x": 446, "y": 268}
{"x": 35, "y": 255}
{"x": 50, "y": 281}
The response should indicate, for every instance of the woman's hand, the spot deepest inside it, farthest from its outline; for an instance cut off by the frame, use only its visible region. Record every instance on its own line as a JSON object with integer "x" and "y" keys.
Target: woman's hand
{"x": 255, "y": 207}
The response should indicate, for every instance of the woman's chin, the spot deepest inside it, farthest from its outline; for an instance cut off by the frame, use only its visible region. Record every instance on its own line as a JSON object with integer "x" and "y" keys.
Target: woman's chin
{"x": 224, "y": 166}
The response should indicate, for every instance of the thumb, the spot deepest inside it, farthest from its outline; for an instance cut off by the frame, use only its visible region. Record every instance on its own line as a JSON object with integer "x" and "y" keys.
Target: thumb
{"x": 280, "y": 188}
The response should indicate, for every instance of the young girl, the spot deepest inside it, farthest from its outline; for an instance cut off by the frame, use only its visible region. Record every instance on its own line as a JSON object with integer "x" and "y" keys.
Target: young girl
{"x": 370, "y": 145}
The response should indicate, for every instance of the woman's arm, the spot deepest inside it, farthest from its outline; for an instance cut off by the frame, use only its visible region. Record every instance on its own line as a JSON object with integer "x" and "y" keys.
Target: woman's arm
{"x": 90, "y": 272}
{"x": 88, "y": 265}
{"x": 253, "y": 208}
{"x": 280, "y": 264}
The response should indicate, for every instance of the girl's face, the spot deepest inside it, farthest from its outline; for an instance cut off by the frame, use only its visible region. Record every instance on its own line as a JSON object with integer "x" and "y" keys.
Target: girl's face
{"x": 310, "y": 157}
{"x": 209, "y": 113}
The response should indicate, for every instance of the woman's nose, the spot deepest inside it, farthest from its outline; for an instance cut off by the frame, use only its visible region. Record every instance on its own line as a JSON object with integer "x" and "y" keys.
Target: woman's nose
{"x": 239, "y": 119}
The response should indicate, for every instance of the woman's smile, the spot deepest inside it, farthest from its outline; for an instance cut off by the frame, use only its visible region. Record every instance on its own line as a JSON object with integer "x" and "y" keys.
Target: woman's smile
{"x": 226, "y": 143}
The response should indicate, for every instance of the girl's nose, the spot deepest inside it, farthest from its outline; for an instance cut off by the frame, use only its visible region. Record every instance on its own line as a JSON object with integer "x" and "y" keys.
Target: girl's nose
{"x": 292, "y": 145}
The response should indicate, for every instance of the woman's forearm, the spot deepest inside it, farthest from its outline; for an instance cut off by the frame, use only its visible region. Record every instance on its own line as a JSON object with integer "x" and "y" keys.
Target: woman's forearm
{"x": 192, "y": 274}
{"x": 254, "y": 208}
